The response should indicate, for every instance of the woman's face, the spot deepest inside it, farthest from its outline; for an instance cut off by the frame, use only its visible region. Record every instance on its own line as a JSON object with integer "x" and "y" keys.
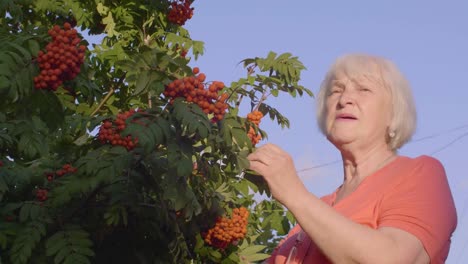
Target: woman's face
{"x": 358, "y": 111}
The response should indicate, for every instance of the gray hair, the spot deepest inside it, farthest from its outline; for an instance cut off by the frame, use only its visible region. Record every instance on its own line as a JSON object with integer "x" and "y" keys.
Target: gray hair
{"x": 403, "y": 122}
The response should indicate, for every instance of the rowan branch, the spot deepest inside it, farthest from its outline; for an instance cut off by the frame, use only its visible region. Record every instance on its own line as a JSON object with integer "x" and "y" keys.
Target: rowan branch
{"x": 108, "y": 95}
{"x": 262, "y": 99}
{"x": 250, "y": 71}
{"x": 103, "y": 101}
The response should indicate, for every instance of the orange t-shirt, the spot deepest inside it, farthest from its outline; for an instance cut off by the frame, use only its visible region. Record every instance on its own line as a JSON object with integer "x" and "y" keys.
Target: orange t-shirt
{"x": 411, "y": 194}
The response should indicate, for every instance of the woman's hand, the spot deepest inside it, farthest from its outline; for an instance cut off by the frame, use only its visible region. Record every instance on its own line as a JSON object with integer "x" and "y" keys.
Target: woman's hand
{"x": 277, "y": 167}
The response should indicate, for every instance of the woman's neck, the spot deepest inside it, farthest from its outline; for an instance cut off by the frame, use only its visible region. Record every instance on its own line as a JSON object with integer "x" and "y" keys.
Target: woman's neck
{"x": 359, "y": 164}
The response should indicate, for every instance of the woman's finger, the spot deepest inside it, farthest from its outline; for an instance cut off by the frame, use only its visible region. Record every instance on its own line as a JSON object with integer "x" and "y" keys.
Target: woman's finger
{"x": 258, "y": 166}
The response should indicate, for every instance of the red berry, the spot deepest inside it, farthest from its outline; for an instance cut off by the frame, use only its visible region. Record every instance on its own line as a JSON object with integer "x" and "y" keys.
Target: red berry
{"x": 60, "y": 173}
{"x": 67, "y": 25}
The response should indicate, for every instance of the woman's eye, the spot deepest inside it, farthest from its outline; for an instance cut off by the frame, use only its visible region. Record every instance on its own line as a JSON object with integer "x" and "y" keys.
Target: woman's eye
{"x": 364, "y": 89}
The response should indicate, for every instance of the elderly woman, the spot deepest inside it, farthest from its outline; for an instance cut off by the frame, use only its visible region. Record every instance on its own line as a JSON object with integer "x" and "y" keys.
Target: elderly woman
{"x": 390, "y": 208}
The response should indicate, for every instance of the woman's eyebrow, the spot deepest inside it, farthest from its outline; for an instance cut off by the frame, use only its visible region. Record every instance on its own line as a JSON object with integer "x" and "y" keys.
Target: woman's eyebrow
{"x": 338, "y": 82}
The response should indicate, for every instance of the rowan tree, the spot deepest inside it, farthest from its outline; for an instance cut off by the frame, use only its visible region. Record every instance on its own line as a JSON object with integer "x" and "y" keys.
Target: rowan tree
{"x": 122, "y": 152}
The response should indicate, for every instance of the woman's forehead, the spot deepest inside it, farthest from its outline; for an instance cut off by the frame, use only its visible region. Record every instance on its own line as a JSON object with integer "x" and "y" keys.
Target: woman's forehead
{"x": 359, "y": 78}
{"x": 357, "y": 70}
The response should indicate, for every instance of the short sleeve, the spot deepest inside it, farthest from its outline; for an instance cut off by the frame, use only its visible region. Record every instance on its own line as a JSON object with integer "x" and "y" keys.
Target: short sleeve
{"x": 292, "y": 232}
{"x": 421, "y": 203}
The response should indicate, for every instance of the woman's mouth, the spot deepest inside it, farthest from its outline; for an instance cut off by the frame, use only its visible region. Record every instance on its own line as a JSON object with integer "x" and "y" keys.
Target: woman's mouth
{"x": 345, "y": 116}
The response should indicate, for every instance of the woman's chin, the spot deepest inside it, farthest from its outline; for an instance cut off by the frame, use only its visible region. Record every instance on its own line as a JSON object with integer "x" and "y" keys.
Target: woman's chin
{"x": 340, "y": 140}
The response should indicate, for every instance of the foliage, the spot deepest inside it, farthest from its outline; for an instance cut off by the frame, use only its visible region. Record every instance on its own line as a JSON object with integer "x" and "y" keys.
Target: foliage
{"x": 70, "y": 195}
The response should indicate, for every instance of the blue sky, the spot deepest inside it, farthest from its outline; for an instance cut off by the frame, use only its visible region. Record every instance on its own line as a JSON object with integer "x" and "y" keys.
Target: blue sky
{"x": 428, "y": 40}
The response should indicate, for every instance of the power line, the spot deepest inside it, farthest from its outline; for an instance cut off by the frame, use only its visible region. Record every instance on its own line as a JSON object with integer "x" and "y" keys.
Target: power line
{"x": 450, "y": 143}
{"x": 319, "y": 166}
{"x": 412, "y": 141}
{"x": 439, "y": 134}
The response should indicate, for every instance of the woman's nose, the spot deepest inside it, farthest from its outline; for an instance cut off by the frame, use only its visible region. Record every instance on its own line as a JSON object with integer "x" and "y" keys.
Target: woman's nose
{"x": 346, "y": 97}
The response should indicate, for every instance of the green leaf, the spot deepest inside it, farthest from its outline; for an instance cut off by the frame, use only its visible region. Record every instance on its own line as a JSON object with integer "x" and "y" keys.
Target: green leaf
{"x": 192, "y": 118}
{"x": 5, "y": 70}
{"x": 55, "y": 243}
{"x": 274, "y": 92}
{"x": 80, "y": 141}
{"x": 85, "y": 251}
{"x": 239, "y": 137}
{"x": 180, "y": 157}
{"x": 290, "y": 217}
{"x": 69, "y": 245}
{"x": 76, "y": 258}
{"x": 50, "y": 108}
{"x": 142, "y": 82}
{"x": 184, "y": 166}
{"x": 33, "y": 46}
{"x": 252, "y": 250}
{"x": 36, "y": 211}
{"x": 25, "y": 54}
{"x": 276, "y": 222}
{"x": 243, "y": 163}
{"x": 25, "y": 212}
{"x": 102, "y": 10}
{"x": 215, "y": 254}
{"x": 62, "y": 255}
{"x": 115, "y": 215}
{"x": 243, "y": 187}
{"x": 256, "y": 257}
{"x": 110, "y": 25}
{"x": 26, "y": 241}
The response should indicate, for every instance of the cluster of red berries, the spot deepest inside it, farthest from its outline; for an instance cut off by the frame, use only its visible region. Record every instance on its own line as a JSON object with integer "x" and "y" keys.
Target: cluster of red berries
{"x": 41, "y": 194}
{"x": 192, "y": 88}
{"x": 183, "y": 53}
{"x": 254, "y": 117}
{"x": 228, "y": 230}
{"x": 180, "y": 50}
{"x": 1, "y": 163}
{"x": 109, "y": 132}
{"x": 67, "y": 168}
{"x": 63, "y": 58}
{"x": 180, "y": 11}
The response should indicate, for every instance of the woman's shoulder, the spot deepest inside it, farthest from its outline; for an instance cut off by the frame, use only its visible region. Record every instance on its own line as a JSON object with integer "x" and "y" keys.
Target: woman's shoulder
{"x": 421, "y": 162}
{"x": 420, "y": 169}
{"x": 427, "y": 159}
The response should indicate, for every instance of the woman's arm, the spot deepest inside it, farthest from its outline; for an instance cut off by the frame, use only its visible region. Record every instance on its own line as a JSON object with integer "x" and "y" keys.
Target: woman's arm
{"x": 344, "y": 241}
{"x": 340, "y": 239}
